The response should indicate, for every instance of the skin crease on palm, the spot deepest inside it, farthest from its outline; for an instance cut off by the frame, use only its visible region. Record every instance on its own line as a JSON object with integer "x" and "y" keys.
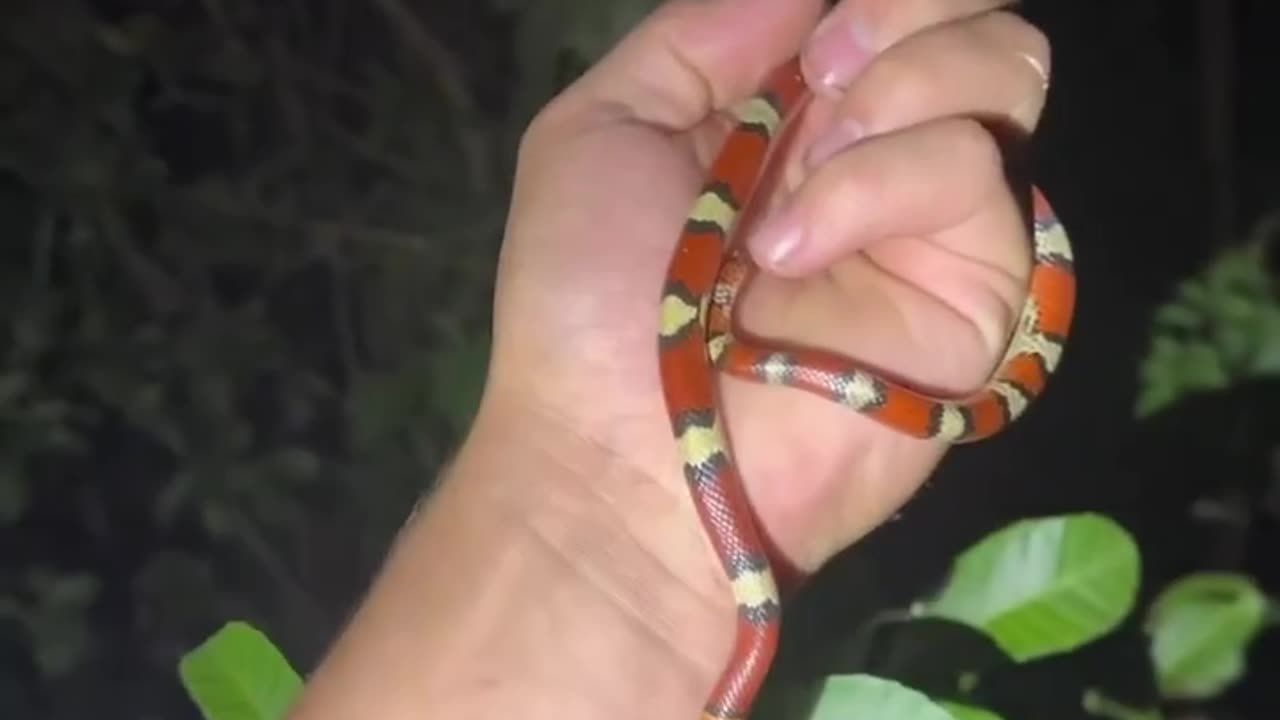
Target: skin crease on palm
{"x": 913, "y": 257}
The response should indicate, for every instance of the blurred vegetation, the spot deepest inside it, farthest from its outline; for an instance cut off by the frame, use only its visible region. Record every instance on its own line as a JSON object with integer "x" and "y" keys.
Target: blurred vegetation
{"x": 1036, "y": 590}
{"x": 247, "y": 300}
{"x": 1221, "y": 328}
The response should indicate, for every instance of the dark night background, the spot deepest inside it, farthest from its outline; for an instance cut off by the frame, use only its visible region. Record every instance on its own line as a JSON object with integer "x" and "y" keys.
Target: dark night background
{"x": 246, "y": 289}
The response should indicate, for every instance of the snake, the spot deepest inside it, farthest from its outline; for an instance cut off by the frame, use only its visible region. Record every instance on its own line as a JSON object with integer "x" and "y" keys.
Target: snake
{"x": 696, "y": 340}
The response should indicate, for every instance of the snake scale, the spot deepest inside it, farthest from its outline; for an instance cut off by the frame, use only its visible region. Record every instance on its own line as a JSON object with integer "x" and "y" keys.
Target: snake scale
{"x": 696, "y": 341}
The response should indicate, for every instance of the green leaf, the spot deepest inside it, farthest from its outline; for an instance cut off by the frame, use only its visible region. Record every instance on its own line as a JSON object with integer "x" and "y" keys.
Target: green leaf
{"x": 237, "y": 674}
{"x": 863, "y": 696}
{"x": 1267, "y": 359}
{"x": 58, "y": 619}
{"x": 1043, "y": 586}
{"x": 1222, "y": 326}
{"x": 1201, "y": 367}
{"x": 968, "y": 712}
{"x": 1177, "y": 316}
{"x": 1200, "y": 628}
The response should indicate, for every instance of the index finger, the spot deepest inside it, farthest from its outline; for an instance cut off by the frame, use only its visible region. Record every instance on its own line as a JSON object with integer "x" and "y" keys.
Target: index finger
{"x": 690, "y": 58}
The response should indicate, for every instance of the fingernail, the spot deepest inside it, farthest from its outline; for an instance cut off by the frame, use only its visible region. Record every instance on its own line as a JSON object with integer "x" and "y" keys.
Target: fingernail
{"x": 839, "y": 50}
{"x": 777, "y": 238}
{"x": 844, "y": 134}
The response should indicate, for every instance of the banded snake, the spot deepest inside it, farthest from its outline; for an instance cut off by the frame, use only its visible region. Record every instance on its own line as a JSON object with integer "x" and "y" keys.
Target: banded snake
{"x": 696, "y": 340}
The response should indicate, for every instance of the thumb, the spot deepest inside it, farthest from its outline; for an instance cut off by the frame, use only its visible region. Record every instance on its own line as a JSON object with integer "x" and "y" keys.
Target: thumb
{"x": 692, "y": 57}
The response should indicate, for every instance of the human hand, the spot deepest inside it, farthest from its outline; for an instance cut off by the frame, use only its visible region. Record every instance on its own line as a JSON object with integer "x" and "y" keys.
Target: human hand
{"x": 912, "y": 254}
{"x": 563, "y": 533}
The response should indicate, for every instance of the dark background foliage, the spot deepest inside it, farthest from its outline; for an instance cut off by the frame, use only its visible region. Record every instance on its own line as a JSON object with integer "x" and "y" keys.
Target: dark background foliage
{"x": 246, "y": 294}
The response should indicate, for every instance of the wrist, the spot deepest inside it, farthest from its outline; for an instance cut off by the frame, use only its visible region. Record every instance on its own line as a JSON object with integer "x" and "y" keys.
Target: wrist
{"x": 543, "y": 576}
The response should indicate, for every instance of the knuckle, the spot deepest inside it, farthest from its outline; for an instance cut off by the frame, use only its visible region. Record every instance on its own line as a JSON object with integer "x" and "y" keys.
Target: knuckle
{"x": 543, "y": 126}
{"x": 896, "y": 84}
{"x": 975, "y": 146}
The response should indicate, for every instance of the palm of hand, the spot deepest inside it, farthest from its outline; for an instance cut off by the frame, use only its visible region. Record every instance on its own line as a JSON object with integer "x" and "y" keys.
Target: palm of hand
{"x": 610, "y": 206}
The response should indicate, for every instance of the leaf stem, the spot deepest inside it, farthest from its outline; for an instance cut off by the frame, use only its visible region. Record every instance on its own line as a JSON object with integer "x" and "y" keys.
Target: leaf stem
{"x": 1096, "y": 703}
